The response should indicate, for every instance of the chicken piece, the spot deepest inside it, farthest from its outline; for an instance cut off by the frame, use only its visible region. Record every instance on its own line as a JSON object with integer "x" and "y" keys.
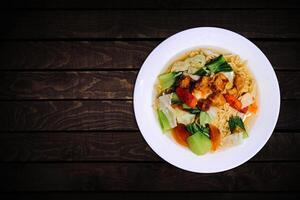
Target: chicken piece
{"x": 202, "y": 88}
{"x": 219, "y": 82}
{"x": 204, "y": 105}
{"x": 217, "y": 99}
{"x": 233, "y": 91}
{"x": 238, "y": 82}
{"x": 185, "y": 82}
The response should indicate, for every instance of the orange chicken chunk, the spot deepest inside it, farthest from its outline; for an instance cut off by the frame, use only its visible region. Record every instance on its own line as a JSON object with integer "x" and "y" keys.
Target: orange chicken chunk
{"x": 217, "y": 99}
{"x": 202, "y": 88}
{"x": 219, "y": 82}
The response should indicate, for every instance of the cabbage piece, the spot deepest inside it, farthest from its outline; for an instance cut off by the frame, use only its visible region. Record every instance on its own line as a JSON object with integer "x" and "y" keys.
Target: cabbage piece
{"x": 166, "y": 108}
{"x": 232, "y": 140}
{"x": 246, "y": 100}
{"x": 229, "y": 75}
{"x": 179, "y": 66}
{"x": 212, "y": 111}
{"x": 195, "y": 63}
{"x": 204, "y": 118}
{"x": 184, "y": 117}
{"x": 163, "y": 121}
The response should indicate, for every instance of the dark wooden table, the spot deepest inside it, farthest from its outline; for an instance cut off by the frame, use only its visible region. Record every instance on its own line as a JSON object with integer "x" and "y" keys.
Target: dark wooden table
{"x": 67, "y": 127}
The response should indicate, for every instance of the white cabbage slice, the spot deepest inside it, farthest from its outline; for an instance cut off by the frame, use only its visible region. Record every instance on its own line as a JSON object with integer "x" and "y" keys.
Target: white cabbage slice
{"x": 166, "y": 108}
{"x": 195, "y": 63}
{"x": 191, "y": 64}
{"x": 232, "y": 140}
{"x": 184, "y": 117}
{"x": 246, "y": 100}
{"x": 179, "y": 66}
{"x": 194, "y": 77}
{"x": 212, "y": 111}
{"x": 229, "y": 76}
{"x": 208, "y": 52}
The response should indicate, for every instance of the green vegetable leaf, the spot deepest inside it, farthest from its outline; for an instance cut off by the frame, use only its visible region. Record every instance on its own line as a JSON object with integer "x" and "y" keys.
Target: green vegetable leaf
{"x": 235, "y": 122}
{"x": 191, "y": 110}
{"x": 225, "y": 67}
{"x": 163, "y": 121}
{"x": 194, "y": 128}
{"x": 204, "y": 118}
{"x": 175, "y": 99}
{"x": 199, "y": 144}
{"x": 167, "y": 80}
{"x": 202, "y": 72}
{"x": 218, "y": 64}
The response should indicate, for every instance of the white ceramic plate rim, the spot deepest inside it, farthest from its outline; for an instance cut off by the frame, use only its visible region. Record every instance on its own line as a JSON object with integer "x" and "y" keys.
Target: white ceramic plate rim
{"x": 269, "y": 99}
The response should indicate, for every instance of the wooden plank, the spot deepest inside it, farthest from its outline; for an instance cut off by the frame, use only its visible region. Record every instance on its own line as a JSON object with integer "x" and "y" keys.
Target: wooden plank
{"x": 96, "y": 85}
{"x": 151, "y": 176}
{"x": 67, "y": 115}
{"x": 145, "y": 23}
{"x": 70, "y": 85}
{"x": 113, "y": 146}
{"x": 75, "y": 55}
{"x": 150, "y": 195}
{"x": 142, "y": 4}
{"x": 113, "y": 54}
{"x": 96, "y": 115}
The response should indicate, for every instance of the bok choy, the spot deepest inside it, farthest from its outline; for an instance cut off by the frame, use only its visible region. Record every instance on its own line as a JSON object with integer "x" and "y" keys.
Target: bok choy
{"x": 235, "y": 123}
{"x": 168, "y": 79}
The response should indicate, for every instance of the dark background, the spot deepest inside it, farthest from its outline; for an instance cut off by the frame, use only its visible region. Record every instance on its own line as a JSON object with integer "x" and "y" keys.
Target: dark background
{"x": 67, "y": 128}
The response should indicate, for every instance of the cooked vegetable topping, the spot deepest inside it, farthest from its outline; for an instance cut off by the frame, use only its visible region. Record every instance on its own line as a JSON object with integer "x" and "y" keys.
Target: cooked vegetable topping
{"x": 246, "y": 100}
{"x": 252, "y": 108}
{"x": 199, "y": 143}
{"x": 215, "y": 66}
{"x": 194, "y": 128}
{"x": 235, "y": 103}
{"x": 191, "y": 110}
{"x": 236, "y": 122}
{"x": 164, "y": 123}
{"x": 215, "y": 137}
{"x": 184, "y": 117}
{"x": 180, "y": 134}
{"x": 168, "y": 79}
{"x": 175, "y": 99}
{"x": 199, "y": 93}
{"x": 218, "y": 64}
{"x": 185, "y": 96}
{"x": 204, "y": 118}
{"x": 166, "y": 108}
{"x": 202, "y": 72}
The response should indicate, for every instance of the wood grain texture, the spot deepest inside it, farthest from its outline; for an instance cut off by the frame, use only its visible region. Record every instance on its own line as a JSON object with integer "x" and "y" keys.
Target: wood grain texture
{"x": 115, "y": 55}
{"x": 96, "y": 85}
{"x": 114, "y": 146}
{"x": 96, "y": 115}
{"x": 144, "y": 4}
{"x": 151, "y": 177}
{"x": 145, "y": 23}
{"x": 67, "y": 115}
{"x": 70, "y": 85}
{"x": 74, "y": 55}
{"x": 150, "y": 195}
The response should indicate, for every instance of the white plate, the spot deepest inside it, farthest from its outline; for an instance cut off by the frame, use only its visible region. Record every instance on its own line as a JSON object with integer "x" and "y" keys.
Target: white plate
{"x": 260, "y": 131}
